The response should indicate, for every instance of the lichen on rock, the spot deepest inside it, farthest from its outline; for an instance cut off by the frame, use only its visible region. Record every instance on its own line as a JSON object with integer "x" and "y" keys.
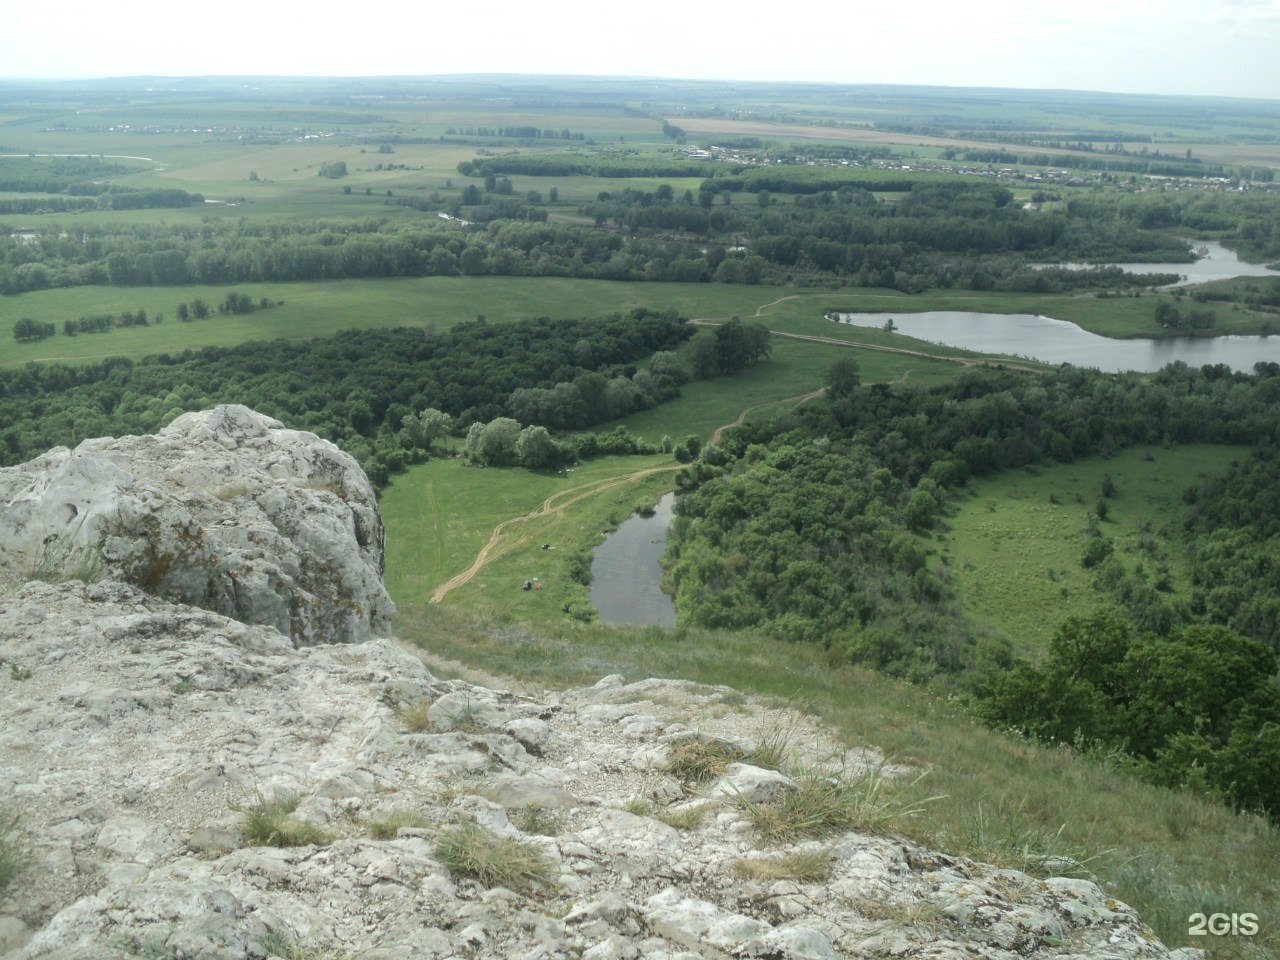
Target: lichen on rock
{"x": 223, "y": 509}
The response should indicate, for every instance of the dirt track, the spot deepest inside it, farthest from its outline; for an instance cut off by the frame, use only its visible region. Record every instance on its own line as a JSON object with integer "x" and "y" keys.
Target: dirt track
{"x": 556, "y": 503}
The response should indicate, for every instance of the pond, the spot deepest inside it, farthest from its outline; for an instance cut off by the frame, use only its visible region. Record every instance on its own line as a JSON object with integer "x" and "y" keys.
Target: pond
{"x": 1057, "y": 341}
{"x": 1215, "y": 263}
{"x": 626, "y": 571}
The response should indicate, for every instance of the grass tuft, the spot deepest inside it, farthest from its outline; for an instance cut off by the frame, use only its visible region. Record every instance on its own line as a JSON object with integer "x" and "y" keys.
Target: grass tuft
{"x": 822, "y": 804}
{"x": 695, "y": 761}
{"x": 539, "y": 820}
{"x": 415, "y": 716}
{"x": 386, "y": 826}
{"x": 495, "y": 861}
{"x": 690, "y": 818}
{"x": 270, "y": 823}
{"x": 803, "y": 866}
{"x": 13, "y": 857}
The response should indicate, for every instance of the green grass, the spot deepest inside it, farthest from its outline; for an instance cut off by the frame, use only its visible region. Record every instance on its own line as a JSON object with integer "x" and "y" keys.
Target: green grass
{"x": 439, "y": 515}
{"x": 387, "y": 825}
{"x": 13, "y": 856}
{"x": 1166, "y": 853}
{"x": 270, "y": 823}
{"x": 321, "y": 309}
{"x": 1015, "y": 542}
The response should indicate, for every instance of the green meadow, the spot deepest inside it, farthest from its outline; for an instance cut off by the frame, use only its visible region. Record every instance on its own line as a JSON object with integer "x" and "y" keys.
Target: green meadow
{"x": 1015, "y": 541}
{"x": 323, "y": 308}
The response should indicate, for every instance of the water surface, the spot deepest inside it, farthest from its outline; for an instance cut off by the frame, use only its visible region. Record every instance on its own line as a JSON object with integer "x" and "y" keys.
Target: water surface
{"x": 1057, "y": 341}
{"x": 626, "y": 571}
{"x": 1217, "y": 263}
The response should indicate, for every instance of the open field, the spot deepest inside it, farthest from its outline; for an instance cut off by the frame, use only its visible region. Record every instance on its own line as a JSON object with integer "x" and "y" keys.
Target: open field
{"x": 441, "y": 514}
{"x": 1014, "y": 542}
{"x": 322, "y": 308}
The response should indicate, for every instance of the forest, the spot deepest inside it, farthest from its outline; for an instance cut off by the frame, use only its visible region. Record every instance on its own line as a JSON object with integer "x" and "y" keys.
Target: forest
{"x": 962, "y": 235}
{"x": 358, "y": 388}
{"x": 813, "y": 528}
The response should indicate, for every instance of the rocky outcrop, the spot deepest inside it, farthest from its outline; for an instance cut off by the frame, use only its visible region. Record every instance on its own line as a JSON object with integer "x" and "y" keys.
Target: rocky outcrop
{"x": 224, "y": 509}
{"x": 135, "y": 735}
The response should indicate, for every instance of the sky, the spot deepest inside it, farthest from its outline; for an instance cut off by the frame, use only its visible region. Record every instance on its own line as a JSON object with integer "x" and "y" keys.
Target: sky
{"x": 1198, "y": 47}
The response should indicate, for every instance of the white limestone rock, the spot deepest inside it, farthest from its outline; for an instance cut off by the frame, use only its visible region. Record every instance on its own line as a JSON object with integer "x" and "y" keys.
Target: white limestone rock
{"x": 223, "y": 509}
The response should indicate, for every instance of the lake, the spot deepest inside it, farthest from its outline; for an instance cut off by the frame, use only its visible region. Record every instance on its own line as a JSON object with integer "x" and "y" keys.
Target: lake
{"x": 626, "y": 571}
{"x": 1057, "y": 341}
{"x": 1218, "y": 263}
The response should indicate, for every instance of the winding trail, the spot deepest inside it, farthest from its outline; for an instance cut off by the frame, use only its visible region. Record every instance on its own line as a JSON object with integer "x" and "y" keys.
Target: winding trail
{"x": 500, "y": 544}
{"x": 554, "y": 504}
{"x": 558, "y": 502}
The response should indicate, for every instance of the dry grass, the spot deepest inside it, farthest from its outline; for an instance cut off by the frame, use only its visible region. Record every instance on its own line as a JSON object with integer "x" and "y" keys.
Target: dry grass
{"x": 415, "y": 716}
{"x": 495, "y": 861}
{"x": 695, "y": 761}
{"x": 803, "y": 866}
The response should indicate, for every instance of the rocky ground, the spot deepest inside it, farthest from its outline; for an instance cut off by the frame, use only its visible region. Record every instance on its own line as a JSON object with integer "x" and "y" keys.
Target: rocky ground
{"x": 135, "y": 734}
{"x": 143, "y": 742}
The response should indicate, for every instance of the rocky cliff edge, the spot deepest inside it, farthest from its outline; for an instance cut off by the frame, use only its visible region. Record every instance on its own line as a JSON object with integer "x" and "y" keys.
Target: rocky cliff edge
{"x": 143, "y": 741}
{"x": 224, "y": 509}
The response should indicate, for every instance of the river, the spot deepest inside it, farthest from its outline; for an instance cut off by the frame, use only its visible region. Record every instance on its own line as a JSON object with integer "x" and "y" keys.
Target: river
{"x": 626, "y": 571}
{"x": 1217, "y": 263}
{"x": 1057, "y": 341}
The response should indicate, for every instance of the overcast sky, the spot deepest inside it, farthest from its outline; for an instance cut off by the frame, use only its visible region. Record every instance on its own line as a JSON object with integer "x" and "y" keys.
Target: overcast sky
{"x": 1212, "y": 47}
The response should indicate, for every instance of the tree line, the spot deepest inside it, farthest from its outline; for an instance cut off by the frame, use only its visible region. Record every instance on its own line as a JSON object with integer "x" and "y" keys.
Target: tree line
{"x": 357, "y": 388}
{"x": 949, "y": 235}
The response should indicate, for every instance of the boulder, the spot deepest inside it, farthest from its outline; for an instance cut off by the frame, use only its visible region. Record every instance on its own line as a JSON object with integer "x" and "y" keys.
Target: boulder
{"x": 223, "y": 509}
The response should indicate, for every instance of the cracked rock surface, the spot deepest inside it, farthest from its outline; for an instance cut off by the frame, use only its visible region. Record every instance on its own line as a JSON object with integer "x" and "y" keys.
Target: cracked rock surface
{"x": 224, "y": 509}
